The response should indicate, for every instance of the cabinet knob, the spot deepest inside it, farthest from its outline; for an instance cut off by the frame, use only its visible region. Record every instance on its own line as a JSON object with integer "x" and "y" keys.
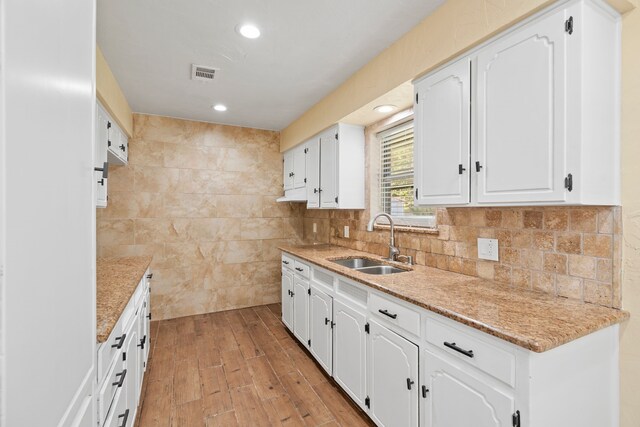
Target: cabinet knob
{"x": 101, "y": 182}
{"x": 150, "y": 276}
{"x": 122, "y": 147}
{"x": 149, "y": 316}
{"x": 461, "y": 169}
{"x": 409, "y": 383}
{"x": 478, "y": 166}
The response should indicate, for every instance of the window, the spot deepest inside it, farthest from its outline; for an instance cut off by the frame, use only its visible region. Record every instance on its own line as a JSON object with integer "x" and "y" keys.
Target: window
{"x": 396, "y": 178}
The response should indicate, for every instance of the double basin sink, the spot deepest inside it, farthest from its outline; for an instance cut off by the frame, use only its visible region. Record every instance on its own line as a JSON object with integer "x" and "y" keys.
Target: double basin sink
{"x": 368, "y": 266}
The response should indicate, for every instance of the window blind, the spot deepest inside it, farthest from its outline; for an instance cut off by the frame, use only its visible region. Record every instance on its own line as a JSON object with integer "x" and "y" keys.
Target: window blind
{"x": 396, "y": 178}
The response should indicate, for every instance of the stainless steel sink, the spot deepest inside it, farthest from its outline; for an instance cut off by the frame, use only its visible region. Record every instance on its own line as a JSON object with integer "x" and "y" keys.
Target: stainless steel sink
{"x": 368, "y": 266}
{"x": 381, "y": 269}
{"x": 357, "y": 263}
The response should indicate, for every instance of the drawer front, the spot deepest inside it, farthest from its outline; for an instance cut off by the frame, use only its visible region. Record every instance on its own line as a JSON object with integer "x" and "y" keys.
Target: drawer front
{"x": 395, "y": 314}
{"x": 109, "y": 349}
{"x": 108, "y": 389}
{"x": 119, "y": 415}
{"x": 301, "y": 269}
{"x": 287, "y": 262}
{"x": 473, "y": 350}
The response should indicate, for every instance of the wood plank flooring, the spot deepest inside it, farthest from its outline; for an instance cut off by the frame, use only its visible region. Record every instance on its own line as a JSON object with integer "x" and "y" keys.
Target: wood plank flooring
{"x": 238, "y": 368}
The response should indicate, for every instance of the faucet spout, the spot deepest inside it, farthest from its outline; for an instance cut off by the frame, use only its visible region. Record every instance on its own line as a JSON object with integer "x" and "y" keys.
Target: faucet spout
{"x": 393, "y": 251}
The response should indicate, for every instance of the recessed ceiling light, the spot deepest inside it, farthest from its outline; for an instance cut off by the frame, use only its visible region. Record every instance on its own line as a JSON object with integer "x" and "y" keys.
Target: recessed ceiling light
{"x": 220, "y": 107}
{"x": 385, "y": 108}
{"x": 249, "y": 31}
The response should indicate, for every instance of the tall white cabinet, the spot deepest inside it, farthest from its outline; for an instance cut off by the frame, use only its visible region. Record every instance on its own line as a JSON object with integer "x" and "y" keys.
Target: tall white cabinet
{"x": 47, "y": 254}
{"x": 534, "y": 120}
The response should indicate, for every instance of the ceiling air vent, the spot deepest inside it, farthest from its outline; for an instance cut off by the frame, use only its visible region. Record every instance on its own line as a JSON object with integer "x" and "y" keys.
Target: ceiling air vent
{"x": 201, "y": 72}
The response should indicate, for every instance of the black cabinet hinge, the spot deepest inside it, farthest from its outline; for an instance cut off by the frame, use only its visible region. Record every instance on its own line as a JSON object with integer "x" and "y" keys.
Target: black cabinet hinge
{"x": 568, "y": 182}
{"x": 309, "y": 342}
{"x": 366, "y": 327}
{"x": 124, "y": 356}
{"x": 568, "y": 25}
{"x": 305, "y": 180}
{"x": 367, "y": 402}
{"x": 416, "y": 194}
{"x": 515, "y": 419}
{"x": 416, "y": 98}
{"x": 108, "y": 125}
{"x": 108, "y": 143}
{"x": 306, "y": 150}
{"x": 336, "y": 136}
{"x": 309, "y": 291}
{"x": 336, "y": 199}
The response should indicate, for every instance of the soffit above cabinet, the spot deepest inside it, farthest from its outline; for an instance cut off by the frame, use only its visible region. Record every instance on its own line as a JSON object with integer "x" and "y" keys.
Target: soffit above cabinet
{"x": 266, "y": 82}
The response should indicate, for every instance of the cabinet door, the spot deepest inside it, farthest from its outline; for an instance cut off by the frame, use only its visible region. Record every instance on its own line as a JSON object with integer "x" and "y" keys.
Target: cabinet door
{"x": 102, "y": 137}
{"x": 455, "y": 398}
{"x": 313, "y": 173}
{"x": 520, "y": 115}
{"x": 349, "y": 352}
{"x": 299, "y": 166}
{"x": 288, "y": 170}
{"x": 118, "y": 147}
{"x": 143, "y": 342}
{"x": 287, "y": 299}
{"x": 147, "y": 326}
{"x": 329, "y": 169}
{"x": 131, "y": 355}
{"x": 442, "y": 136}
{"x": 301, "y": 309}
{"x": 393, "y": 378}
{"x": 321, "y": 327}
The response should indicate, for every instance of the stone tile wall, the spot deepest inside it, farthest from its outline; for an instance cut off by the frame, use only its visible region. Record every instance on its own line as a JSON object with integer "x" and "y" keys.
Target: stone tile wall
{"x": 200, "y": 198}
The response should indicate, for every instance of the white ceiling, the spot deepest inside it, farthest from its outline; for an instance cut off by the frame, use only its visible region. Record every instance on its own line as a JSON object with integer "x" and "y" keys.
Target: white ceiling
{"x": 306, "y": 50}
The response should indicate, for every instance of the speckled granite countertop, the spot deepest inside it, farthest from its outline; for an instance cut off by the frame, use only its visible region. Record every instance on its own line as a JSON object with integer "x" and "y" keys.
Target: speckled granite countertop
{"x": 533, "y": 320}
{"x": 117, "y": 279}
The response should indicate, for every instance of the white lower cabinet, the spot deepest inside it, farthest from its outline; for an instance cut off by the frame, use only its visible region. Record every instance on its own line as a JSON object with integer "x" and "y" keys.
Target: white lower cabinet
{"x": 393, "y": 378}
{"x": 349, "y": 352}
{"x": 301, "y": 309}
{"x": 454, "y": 398}
{"x": 407, "y": 367}
{"x": 287, "y": 299}
{"x": 321, "y": 327}
{"x": 122, "y": 361}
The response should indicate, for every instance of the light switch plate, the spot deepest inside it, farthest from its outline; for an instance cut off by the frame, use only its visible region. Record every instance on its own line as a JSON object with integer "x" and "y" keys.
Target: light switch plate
{"x": 346, "y": 232}
{"x": 488, "y": 249}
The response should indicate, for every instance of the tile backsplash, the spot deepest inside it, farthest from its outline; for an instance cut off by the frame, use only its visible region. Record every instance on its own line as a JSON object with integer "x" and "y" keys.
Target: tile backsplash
{"x": 574, "y": 252}
{"x": 200, "y": 198}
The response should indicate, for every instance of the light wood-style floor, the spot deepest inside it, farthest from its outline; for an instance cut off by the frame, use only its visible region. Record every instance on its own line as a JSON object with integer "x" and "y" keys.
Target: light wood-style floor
{"x": 238, "y": 368}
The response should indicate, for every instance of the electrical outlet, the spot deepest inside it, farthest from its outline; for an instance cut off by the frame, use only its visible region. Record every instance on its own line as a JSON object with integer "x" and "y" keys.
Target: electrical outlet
{"x": 488, "y": 249}
{"x": 346, "y": 232}
{"x": 315, "y": 227}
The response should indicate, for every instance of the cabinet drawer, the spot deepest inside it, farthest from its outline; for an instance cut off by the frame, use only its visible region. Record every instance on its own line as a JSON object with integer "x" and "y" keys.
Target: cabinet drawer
{"x": 108, "y": 389}
{"x": 301, "y": 269}
{"x": 109, "y": 349}
{"x": 395, "y": 314}
{"x": 119, "y": 415}
{"x": 488, "y": 358}
{"x": 287, "y": 262}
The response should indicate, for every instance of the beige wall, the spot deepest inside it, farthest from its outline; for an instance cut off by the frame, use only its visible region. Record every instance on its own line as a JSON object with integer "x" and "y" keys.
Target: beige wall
{"x": 630, "y": 347}
{"x": 451, "y": 29}
{"x": 200, "y": 198}
{"x": 109, "y": 93}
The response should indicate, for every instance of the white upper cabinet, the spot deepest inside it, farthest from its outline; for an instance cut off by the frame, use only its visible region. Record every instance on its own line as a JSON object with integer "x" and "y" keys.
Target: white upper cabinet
{"x": 442, "y": 138}
{"x": 520, "y": 115}
{"x": 118, "y": 145}
{"x": 102, "y": 136}
{"x": 312, "y": 162}
{"x": 287, "y": 178}
{"x": 544, "y": 124}
{"x": 340, "y": 171}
